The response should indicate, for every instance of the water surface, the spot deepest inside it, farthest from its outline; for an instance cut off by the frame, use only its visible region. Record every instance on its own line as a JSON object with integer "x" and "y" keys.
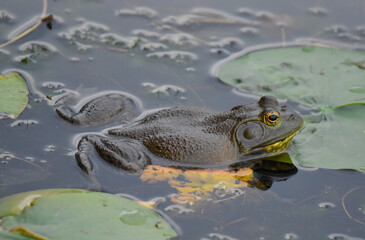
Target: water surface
{"x": 162, "y": 53}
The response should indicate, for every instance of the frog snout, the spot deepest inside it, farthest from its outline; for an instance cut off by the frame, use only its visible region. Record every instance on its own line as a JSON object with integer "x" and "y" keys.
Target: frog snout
{"x": 295, "y": 118}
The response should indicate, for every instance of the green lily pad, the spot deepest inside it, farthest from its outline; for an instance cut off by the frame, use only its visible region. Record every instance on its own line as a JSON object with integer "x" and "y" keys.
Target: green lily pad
{"x": 13, "y": 95}
{"x": 11, "y": 236}
{"x": 79, "y": 214}
{"x": 329, "y": 80}
{"x": 334, "y": 142}
{"x": 315, "y": 76}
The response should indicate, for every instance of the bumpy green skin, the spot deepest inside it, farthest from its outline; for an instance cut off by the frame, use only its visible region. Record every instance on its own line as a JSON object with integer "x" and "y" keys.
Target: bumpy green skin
{"x": 189, "y": 135}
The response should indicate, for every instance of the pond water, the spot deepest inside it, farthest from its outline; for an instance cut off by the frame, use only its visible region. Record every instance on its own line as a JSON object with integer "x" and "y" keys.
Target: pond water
{"x": 162, "y": 52}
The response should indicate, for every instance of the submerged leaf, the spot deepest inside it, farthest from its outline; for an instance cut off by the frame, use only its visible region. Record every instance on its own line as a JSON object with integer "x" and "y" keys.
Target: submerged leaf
{"x": 79, "y": 214}
{"x": 13, "y": 95}
{"x": 329, "y": 80}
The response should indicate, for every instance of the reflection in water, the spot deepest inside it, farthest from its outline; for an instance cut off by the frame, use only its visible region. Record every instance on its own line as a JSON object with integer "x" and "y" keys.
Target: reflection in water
{"x": 199, "y": 184}
{"x": 266, "y": 171}
{"x": 221, "y": 184}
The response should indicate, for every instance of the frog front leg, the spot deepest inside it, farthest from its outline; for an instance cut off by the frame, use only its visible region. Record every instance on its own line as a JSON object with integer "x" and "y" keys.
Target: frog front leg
{"x": 98, "y": 111}
{"x": 125, "y": 154}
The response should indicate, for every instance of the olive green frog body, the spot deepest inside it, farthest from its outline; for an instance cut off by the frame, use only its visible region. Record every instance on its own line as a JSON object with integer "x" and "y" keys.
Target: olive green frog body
{"x": 186, "y": 135}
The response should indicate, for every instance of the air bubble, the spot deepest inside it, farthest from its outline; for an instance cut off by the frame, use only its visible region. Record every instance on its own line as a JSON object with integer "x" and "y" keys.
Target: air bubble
{"x": 153, "y": 46}
{"x": 227, "y": 42}
{"x": 220, "y": 51}
{"x": 168, "y": 90}
{"x": 30, "y": 159}
{"x": 339, "y": 236}
{"x": 221, "y": 236}
{"x": 133, "y": 217}
{"x": 138, "y": 11}
{"x": 361, "y": 30}
{"x": 148, "y": 85}
{"x": 326, "y": 205}
{"x": 74, "y": 59}
{"x": 6, "y": 17}
{"x": 83, "y": 47}
{"x": 4, "y": 52}
{"x": 263, "y": 15}
{"x": 318, "y": 11}
{"x": 52, "y": 85}
{"x": 145, "y": 33}
{"x": 349, "y": 36}
{"x": 336, "y": 29}
{"x": 37, "y": 47}
{"x": 246, "y": 11}
{"x": 50, "y": 148}
{"x": 290, "y": 236}
{"x": 117, "y": 40}
{"x": 178, "y": 209}
{"x": 249, "y": 30}
{"x": 178, "y": 56}
{"x": 86, "y": 31}
{"x": 180, "y": 39}
{"x": 18, "y": 123}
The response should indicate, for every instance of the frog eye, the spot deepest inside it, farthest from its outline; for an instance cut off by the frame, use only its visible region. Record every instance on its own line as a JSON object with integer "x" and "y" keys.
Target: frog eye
{"x": 272, "y": 118}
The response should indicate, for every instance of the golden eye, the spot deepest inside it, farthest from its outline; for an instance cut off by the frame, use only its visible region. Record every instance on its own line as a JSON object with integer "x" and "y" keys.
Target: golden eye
{"x": 272, "y": 118}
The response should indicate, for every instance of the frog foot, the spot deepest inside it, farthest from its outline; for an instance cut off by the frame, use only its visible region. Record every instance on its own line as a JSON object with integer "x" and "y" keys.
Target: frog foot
{"x": 99, "y": 110}
{"x": 127, "y": 155}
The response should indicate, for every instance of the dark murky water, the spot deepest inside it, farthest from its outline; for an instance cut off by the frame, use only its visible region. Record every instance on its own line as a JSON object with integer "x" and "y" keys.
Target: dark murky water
{"x": 162, "y": 52}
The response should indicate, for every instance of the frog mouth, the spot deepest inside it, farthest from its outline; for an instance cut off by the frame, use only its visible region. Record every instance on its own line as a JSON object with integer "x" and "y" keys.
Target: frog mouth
{"x": 277, "y": 146}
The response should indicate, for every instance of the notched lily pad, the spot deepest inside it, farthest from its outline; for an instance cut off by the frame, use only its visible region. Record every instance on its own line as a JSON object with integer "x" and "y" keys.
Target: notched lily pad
{"x": 13, "y": 95}
{"x": 78, "y": 214}
{"x": 329, "y": 80}
{"x": 319, "y": 77}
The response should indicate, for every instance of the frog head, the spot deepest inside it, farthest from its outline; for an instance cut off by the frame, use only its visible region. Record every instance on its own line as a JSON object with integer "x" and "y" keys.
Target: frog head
{"x": 267, "y": 127}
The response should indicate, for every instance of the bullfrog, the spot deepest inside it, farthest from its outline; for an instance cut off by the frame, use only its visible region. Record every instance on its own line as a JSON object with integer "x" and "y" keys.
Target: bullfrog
{"x": 179, "y": 135}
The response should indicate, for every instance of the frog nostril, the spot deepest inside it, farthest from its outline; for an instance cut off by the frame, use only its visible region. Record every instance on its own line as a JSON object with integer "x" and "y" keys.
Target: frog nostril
{"x": 292, "y": 116}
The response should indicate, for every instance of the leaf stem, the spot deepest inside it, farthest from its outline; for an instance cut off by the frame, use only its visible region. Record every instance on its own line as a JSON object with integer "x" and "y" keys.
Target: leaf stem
{"x": 29, "y": 30}
{"x": 344, "y": 205}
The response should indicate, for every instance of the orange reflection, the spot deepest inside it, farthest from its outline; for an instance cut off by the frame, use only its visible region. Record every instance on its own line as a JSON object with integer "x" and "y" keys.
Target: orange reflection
{"x": 193, "y": 185}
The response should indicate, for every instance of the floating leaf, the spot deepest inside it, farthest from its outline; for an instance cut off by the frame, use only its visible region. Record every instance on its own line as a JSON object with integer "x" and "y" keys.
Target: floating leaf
{"x": 11, "y": 236}
{"x": 13, "y": 95}
{"x": 336, "y": 141}
{"x": 330, "y": 80}
{"x": 78, "y": 214}
{"x": 318, "y": 77}
{"x": 196, "y": 184}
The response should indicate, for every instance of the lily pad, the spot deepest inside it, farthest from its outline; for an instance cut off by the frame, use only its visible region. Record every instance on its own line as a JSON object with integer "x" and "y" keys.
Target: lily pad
{"x": 11, "y": 236}
{"x": 78, "y": 214}
{"x": 13, "y": 95}
{"x": 319, "y": 77}
{"x": 336, "y": 141}
{"x": 330, "y": 81}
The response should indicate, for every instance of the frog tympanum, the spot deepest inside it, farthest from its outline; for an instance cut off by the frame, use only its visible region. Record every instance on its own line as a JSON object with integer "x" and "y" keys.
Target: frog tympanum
{"x": 180, "y": 135}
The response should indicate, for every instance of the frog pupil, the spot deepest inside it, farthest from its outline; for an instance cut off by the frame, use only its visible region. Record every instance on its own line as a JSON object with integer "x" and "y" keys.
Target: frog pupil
{"x": 273, "y": 117}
